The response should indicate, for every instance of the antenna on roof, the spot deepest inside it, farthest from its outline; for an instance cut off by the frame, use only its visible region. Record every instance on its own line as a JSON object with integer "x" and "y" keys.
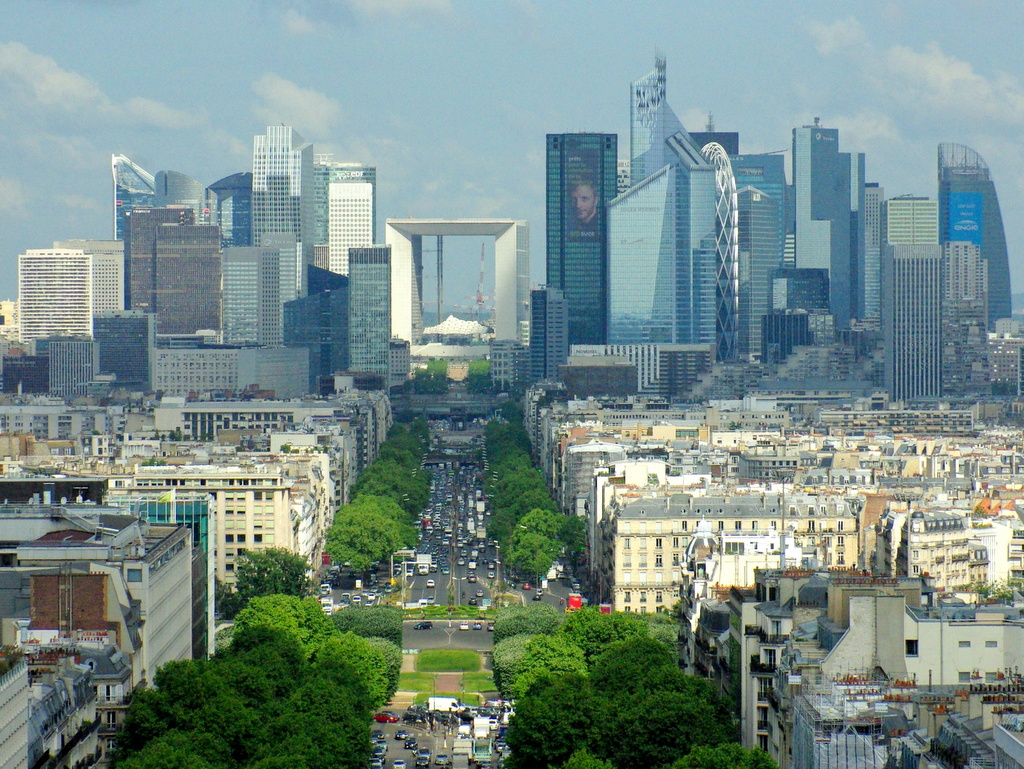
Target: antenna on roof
{"x": 710, "y": 128}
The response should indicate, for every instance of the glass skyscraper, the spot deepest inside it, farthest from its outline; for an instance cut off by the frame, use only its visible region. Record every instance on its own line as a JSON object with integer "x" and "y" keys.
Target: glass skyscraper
{"x": 760, "y": 251}
{"x": 134, "y": 187}
{"x": 581, "y": 180}
{"x": 829, "y": 192}
{"x": 173, "y": 188}
{"x": 369, "y": 326}
{"x": 969, "y": 211}
{"x": 319, "y": 322}
{"x": 231, "y": 201}
{"x": 662, "y": 230}
{"x": 282, "y": 188}
{"x": 328, "y": 171}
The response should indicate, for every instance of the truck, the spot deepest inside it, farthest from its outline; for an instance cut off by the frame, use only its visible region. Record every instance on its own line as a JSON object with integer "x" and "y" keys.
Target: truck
{"x": 481, "y": 727}
{"x": 423, "y": 563}
{"x": 575, "y": 602}
{"x": 481, "y": 506}
{"x": 443, "y": 704}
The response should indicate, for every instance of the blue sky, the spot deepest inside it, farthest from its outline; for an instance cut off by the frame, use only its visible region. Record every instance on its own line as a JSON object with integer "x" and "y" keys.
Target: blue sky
{"x": 451, "y": 99}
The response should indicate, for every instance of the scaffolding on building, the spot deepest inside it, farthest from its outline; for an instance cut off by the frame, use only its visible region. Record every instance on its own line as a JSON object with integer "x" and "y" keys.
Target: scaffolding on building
{"x": 838, "y": 722}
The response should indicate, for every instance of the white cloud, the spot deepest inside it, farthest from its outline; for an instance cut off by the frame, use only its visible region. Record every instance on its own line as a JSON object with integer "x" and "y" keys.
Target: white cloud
{"x": 923, "y": 82}
{"x": 839, "y": 36}
{"x": 13, "y": 197}
{"x": 297, "y": 23}
{"x": 39, "y": 82}
{"x": 310, "y": 112}
{"x": 397, "y": 8}
{"x": 83, "y": 203}
{"x": 866, "y": 127}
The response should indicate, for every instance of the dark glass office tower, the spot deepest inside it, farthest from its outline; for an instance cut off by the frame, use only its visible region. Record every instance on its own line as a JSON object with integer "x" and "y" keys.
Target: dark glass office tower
{"x": 549, "y": 323}
{"x": 581, "y": 180}
{"x": 231, "y": 201}
{"x": 369, "y": 315}
{"x": 969, "y": 212}
{"x": 319, "y": 322}
{"x": 829, "y": 190}
{"x": 125, "y": 339}
{"x": 760, "y": 253}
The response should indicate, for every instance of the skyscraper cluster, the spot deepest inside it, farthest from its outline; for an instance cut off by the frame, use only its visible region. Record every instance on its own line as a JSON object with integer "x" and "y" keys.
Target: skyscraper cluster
{"x": 693, "y": 242}
{"x": 213, "y": 268}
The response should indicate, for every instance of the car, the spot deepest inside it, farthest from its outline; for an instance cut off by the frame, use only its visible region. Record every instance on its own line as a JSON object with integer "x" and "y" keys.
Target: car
{"x": 422, "y": 761}
{"x": 490, "y": 575}
{"x": 473, "y": 602}
{"x": 478, "y": 626}
{"x": 537, "y": 597}
{"x": 446, "y": 570}
{"x": 431, "y": 600}
{"x": 479, "y": 593}
{"x": 380, "y": 751}
{"x": 398, "y": 763}
{"x": 490, "y": 626}
{"x": 401, "y": 734}
{"x": 464, "y": 626}
{"x": 377, "y": 734}
{"x": 526, "y": 586}
{"x": 471, "y": 578}
{"x": 385, "y": 717}
{"x": 460, "y": 562}
{"x": 430, "y": 583}
{"x": 410, "y": 743}
{"x": 441, "y": 759}
{"x": 376, "y": 763}
{"x": 423, "y": 753}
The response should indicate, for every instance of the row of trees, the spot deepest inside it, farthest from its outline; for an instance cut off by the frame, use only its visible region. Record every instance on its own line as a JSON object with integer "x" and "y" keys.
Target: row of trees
{"x": 386, "y": 499}
{"x": 295, "y": 688}
{"x": 524, "y": 520}
{"x": 627, "y": 706}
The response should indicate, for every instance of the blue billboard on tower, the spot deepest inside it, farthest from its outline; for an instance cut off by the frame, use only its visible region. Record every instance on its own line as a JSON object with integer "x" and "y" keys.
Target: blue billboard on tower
{"x": 965, "y": 216}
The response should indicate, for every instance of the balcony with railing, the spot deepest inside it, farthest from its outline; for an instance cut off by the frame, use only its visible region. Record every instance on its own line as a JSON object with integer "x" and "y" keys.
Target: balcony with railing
{"x": 771, "y": 639}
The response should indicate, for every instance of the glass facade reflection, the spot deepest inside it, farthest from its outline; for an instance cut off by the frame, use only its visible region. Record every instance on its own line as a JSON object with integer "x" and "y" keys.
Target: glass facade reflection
{"x": 581, "y": 180}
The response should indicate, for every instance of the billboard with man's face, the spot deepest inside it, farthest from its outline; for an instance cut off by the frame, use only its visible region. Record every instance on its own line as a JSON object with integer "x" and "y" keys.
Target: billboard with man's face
{"x": 583, "y": 208}
{"x": 965, "y": 216}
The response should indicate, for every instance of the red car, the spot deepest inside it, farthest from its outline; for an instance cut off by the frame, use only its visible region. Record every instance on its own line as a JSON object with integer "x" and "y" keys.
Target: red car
{"x": 385, "y": 717}
{"x": 526, "y": 586}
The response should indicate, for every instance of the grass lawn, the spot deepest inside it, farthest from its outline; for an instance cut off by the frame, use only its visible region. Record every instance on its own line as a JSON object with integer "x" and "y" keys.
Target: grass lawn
{"x": 416, "y": 682}
{"x": 447, "y": 661}
{"x": 478, "y": 682}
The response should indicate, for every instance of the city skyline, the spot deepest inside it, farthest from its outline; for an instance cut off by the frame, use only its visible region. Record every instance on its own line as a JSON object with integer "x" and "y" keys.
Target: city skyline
{"x": 463, "y": 136}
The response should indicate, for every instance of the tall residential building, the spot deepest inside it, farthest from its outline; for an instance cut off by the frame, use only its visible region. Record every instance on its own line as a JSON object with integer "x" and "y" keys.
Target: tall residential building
{"x": 369, "y": 306}
{"x": 174, "y": 269}
{"x": 350, "y": 222}
{"x": 581, "y": 180}
{"x": 908, "y": 220}
{"x": 124, "y": 342}
{"x": 134, "y": 187}
{"x": 549, "y": 333}
{"x": 874, "y": 239}
{"x": 760, "y": 253}
{"x": 328, "y": 171}
{"x": 256, "y": 284}
{"x": 912, "y": 320}
{"x": 231, "y": 209}
{"x": 9, "y": 318}
{"x": 969, "y": 211}
{"x": 173, "y": 188}
{"x": 107, "y": 271}
{"x": 282, "y": 188}
{"x": 54, "y": 293}
{"x": 662, "y": 272}
{"x": 829, "y": 224}
{"x": 319, "y": 322}
{"x": 73, "y": 364}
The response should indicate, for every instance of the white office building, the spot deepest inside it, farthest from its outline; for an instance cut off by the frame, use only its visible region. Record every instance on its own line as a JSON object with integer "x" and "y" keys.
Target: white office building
{"x": 350, "y": 222}
{"x": 55, "y": 293}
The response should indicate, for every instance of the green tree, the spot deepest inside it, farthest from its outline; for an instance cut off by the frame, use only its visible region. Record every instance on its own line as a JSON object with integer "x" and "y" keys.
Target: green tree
{"x": 594, "y": 632}
{"x": 582, "y": 759}
{"x": 227, "y": 601}
{"x": 271, "y": 572}
{"x": 366, "y": 531}
{"x": 730, "y": 755}
{"x": 371, "y": 661}
{"x": 552, "y": 722}
{"x": 372, "y": 622}
{"x": 547, "y": 657}
{"x": 301, "y": 618}
{"x": 505, "y": 661}
{"x": 534, "y": 619}
{"x": 532, "y": 554}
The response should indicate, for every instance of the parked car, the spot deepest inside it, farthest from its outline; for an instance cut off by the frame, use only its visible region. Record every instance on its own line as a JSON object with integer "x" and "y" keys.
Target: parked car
{"x": 385, "y": 717}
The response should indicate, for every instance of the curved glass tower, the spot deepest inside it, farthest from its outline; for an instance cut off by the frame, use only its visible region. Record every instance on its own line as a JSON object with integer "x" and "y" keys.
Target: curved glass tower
{"x": 969, "y": 212}
{"x": 133, "y": 188}
{"x": 727, "y": 276}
